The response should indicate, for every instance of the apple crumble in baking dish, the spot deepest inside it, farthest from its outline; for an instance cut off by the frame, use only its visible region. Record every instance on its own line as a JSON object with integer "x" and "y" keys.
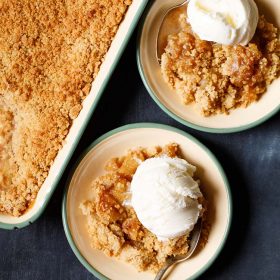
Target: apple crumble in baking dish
{"x": 50, "y": 52}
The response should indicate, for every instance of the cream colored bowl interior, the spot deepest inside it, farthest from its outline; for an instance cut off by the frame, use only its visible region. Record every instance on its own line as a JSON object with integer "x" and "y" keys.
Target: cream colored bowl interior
{"x": 116, "y": 145}
{"x": 169, "y": 99}
{"x": 76, "y": 130}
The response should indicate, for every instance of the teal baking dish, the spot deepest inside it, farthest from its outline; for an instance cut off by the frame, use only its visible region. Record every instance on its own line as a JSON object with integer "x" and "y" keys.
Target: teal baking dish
{"x": 111, "y": 59}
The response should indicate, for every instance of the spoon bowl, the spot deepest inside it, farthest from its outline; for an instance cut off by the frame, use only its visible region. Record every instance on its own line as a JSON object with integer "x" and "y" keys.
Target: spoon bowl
{"x": 195, "y": 236}
{"x": 169, "y": 25}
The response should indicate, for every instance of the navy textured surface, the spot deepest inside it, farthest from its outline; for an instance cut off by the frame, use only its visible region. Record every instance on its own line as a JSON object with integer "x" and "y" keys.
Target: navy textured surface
{"x": 251, "y": 160}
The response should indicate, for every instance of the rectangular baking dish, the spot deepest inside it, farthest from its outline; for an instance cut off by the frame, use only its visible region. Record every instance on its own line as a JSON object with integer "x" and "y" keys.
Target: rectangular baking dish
{"x": 111, "y": 59}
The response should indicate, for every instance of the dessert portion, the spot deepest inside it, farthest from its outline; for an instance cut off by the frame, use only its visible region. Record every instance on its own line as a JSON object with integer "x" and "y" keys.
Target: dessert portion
{"x": 145, "y": 206}
{"x": 215, "y": 62}
{"x": 50, "y": 52}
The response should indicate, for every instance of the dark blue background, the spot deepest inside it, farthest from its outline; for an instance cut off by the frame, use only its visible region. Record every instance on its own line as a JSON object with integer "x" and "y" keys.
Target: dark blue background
{"x": 251, "y": 160}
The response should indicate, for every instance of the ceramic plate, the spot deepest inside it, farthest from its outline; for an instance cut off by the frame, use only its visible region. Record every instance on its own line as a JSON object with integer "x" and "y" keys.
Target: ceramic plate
{"x": 116, "y": 143}
{"x": 239, "y": 119}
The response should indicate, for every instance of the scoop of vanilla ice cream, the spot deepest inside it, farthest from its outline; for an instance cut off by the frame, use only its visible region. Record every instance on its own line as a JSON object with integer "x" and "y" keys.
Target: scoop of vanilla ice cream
{"x": 227, "y": 22}
{"x": 164, "y": 196}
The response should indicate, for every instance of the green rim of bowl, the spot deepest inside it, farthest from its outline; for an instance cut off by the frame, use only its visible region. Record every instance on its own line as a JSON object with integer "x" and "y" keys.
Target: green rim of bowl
{"x": 175, "y": 116}
{"x": 72, "y": 244}
{"x": 123, "y": 44}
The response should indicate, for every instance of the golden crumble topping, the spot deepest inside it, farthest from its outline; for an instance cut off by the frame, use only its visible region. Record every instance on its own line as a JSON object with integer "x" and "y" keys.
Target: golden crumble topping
{"x": 113, "y": 225}
{"x": 50, "y": 51}
{"x": 219, "y": 78}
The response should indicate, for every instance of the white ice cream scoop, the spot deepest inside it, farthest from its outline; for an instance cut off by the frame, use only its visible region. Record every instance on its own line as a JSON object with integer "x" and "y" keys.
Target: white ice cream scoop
{"x": 164, "y": 196}
{"x": 227, "y": 22}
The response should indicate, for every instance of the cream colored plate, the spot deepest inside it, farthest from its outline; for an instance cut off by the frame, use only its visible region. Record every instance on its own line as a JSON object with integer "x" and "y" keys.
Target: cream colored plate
{"x": 168, "y": 100}
{"x": 116, "y": 143}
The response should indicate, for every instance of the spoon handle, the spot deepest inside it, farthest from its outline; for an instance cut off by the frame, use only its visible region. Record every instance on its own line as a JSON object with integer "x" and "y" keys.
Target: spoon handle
{"x": 161, "y": 272}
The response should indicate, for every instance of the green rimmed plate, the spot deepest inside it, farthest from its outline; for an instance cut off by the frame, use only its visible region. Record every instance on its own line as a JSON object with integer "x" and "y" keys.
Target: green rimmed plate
{"x": 116, "y": 143}
{"x": 239, "y": 119}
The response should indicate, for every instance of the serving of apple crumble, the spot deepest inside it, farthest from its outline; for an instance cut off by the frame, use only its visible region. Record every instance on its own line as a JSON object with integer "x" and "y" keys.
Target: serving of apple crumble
{"x": 112, "y": 223}
{"x": 50, "y": 52}
{"x": 218, "y": 78}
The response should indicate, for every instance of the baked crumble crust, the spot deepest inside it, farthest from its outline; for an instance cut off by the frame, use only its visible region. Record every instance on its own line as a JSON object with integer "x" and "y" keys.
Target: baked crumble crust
{"x": 113, "y": 225}
{"x": 219, "y": 78}
{"x": 50, "y": 51}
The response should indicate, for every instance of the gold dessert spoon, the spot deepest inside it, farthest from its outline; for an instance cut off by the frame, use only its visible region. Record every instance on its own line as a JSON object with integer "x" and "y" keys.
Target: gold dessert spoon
{"x": 169, "y": 25}
{"x": 195, "y": 235}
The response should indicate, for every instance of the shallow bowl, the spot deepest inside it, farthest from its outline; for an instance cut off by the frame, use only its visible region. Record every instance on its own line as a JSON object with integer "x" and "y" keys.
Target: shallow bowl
{"x": 167, "y": 98}
{"x": 116, "y": 143}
